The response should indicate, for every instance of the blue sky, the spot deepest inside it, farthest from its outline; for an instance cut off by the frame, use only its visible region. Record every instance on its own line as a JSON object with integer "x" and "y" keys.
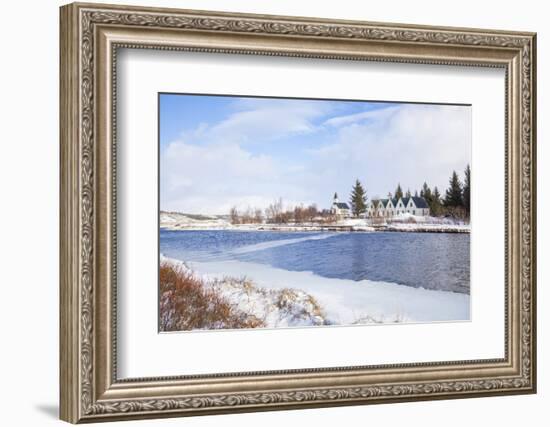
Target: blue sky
{"x": 223, "y": 151}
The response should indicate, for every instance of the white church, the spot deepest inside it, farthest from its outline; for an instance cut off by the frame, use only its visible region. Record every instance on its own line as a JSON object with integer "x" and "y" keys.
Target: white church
{"x": 340, "y": 209}
{"x": 384, "y": 208}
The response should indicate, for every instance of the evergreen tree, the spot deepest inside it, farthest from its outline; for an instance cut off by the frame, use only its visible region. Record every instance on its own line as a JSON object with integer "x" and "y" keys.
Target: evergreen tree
{"x": 436, "y": 196}
{"x": 358, "y": 199}
{"x": 390, "y": 195}
{"x": 435, "y": 201}
{"x": 398, "y": 192}
{"x": 466, "y": 190}
{"x": 426, "y": 192}
{"x": 453, "y": 196}
{"x": 415, "y": 193}
{"x": 408, "y": 193}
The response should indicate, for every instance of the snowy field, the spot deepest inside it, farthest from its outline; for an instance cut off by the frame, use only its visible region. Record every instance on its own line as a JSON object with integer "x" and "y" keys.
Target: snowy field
{"x": 342, "y": 302}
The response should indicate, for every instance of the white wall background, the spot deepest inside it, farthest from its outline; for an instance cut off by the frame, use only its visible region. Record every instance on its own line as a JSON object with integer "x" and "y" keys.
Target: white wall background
{"x": 29, "y": 170}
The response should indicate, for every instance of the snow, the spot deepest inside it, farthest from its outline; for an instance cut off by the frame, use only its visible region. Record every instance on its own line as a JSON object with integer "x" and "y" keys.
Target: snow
{"x": 434, "y": 228}
{"x": 177, "y": 221}
{"x": 342, "y": 301}
{"x": 405, "y": 216}
{"x": 275, "y": 307}
{"x": 358, "y": 224}
{"x": 408, "y": 222}
{"x": 347, "y": 301}
{"x": 415, "y": 223}
{"x": 402, "y": 222}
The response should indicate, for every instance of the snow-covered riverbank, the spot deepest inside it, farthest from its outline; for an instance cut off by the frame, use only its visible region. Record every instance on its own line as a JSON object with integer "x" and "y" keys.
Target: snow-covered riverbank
{"x": 404, "y": 223}
{"x": 266, "y": 307}
{"x": 311, "y": 300}
{"x": 428, "y": 228}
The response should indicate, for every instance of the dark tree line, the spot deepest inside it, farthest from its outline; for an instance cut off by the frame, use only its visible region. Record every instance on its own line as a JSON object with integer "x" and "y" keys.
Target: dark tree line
{"x": 456, "y": 201}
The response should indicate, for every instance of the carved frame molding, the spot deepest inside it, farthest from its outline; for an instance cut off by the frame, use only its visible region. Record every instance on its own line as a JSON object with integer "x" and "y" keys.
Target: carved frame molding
{"x": 90, "y": 36}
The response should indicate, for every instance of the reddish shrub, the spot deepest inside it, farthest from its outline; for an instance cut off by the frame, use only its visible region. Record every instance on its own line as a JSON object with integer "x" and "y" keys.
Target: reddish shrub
{"x": 186, "y": 304}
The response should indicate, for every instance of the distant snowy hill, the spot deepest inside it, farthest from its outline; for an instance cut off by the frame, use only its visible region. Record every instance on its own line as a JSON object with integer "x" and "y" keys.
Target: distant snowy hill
{"x": 180, "y": 221}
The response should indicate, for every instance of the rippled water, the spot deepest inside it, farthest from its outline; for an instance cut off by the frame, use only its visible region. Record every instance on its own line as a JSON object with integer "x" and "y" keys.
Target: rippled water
{"x": 429, "y": 260}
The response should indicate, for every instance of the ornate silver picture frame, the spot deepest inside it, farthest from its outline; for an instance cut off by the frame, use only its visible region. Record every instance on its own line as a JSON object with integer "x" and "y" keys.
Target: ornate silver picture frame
{"x": 91, "y": 37}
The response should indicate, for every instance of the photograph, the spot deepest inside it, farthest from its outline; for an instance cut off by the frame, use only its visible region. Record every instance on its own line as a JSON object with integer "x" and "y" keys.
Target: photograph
{"x": 288, "y": 212}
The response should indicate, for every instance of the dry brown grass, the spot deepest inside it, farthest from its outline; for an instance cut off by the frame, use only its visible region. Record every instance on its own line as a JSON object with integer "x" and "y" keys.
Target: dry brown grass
{"x": 186, "y": 304}
{"x": 286, "y": 301}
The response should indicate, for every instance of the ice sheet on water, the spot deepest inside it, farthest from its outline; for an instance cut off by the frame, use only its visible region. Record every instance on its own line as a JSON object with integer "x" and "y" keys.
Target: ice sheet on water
{"x": 276, "y": 243}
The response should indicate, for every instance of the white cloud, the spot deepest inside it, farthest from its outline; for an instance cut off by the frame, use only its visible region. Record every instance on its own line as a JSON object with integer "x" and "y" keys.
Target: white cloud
{"x": 212, "y": 167}
{"x": 198, "y": 178}
{"x": 380, "y": 114}
{"x": 209, "y": 170}
{"x": 409, "y": 144}
{"x": 262, "y": 120}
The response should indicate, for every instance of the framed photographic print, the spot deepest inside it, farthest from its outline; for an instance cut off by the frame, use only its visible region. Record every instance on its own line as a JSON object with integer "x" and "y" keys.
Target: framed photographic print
{"x": 250, "y": 233}
{"x": 265, "y": 212}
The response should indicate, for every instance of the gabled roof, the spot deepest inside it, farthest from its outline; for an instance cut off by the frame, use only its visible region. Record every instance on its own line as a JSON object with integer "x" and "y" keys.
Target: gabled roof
{"x": 420, "y": 202}
{"x": 341, "y": 205}
{"x": 384, "y": 202}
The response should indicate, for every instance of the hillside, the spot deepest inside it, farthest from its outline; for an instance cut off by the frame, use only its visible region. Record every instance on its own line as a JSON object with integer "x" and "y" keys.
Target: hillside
{"x": 181, "y": 221}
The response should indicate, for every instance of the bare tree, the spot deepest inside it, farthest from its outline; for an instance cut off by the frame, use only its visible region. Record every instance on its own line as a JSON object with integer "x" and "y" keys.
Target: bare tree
{"x": 274, "y": 211}
{"x": 234, "y": 215}
{"x": 248, "y": 216}
{"x": 299, "y": 214}
{"x": 311, "y": 212}
{"x": 258, "y": 218}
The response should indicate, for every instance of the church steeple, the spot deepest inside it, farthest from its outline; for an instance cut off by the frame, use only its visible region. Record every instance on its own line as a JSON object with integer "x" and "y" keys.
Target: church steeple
{"x": 335, "y": 199}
